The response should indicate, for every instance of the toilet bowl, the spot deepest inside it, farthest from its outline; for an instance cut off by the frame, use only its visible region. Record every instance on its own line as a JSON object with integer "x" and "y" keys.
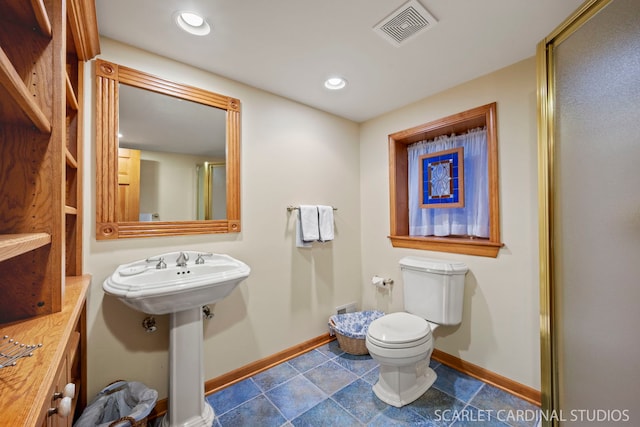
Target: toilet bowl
{"x": 402, "y": 342}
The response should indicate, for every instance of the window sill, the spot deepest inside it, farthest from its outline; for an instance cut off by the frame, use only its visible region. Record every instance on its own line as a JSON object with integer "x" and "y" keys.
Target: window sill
{"x": 454, "y": 245}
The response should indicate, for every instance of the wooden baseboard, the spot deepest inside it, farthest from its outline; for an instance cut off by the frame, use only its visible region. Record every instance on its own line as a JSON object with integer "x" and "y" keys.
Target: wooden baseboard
{"x": 211, "y": 386}
{"x": 244, "y": 372}
{"x": 522, "y": 391}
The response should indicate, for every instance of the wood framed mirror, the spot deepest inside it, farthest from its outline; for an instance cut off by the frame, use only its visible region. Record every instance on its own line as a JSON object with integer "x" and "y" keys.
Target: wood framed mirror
{"x": 129, "y": 201}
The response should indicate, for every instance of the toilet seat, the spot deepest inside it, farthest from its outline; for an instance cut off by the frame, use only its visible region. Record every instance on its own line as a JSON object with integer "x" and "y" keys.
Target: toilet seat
{"x": 399, "y": 330}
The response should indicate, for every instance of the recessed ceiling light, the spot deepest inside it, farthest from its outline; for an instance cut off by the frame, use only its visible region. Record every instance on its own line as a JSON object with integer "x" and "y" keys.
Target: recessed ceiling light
{"x": 192, "y": 23}
{"x": 335, "y": 83}
{"x": 192, "y": 19}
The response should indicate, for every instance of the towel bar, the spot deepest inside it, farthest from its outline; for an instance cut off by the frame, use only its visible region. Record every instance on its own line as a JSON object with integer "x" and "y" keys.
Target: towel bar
{"x": 294, "y": 208}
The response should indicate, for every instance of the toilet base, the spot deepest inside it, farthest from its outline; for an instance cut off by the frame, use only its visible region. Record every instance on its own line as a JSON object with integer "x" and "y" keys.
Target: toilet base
{"x": 400, "y": 385}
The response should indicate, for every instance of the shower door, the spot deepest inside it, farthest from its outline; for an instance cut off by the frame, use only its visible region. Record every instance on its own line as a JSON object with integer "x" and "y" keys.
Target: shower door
{"x": 589, "y": 164}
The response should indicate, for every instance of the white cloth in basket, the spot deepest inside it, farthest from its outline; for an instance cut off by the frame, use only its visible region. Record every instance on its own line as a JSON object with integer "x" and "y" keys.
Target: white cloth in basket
{"x": 353, "y": 325}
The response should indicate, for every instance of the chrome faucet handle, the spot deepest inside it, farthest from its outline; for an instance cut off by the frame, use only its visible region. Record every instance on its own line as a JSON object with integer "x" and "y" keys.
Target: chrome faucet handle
{"x": 161, "y": 264}
{"x": 182, "y": 259}
{"x": 200, "y": 259}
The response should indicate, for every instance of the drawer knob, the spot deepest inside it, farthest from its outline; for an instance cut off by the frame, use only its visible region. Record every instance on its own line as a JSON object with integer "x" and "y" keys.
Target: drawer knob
{"x": 64, "y": 408}
{"x": 69, "y": 390}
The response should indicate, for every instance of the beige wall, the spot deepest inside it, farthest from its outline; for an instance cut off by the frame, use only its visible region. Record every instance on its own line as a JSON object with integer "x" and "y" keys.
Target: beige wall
{"x": 291, "y": 154}
{"x": 500, "y": 329}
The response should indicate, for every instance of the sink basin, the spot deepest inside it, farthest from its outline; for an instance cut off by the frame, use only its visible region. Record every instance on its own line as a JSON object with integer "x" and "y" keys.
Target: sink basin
{"x": 171, "y": 289}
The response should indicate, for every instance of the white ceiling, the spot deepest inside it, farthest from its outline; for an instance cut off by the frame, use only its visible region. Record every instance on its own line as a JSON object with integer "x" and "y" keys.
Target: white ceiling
{"x": 289, "y": 47}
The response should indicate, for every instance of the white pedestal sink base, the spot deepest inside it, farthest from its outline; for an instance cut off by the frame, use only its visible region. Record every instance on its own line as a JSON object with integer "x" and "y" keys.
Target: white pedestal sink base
{"x": 187, "y": 406}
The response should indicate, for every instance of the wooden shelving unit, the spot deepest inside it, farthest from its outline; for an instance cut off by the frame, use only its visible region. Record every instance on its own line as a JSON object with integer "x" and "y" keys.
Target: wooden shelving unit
{"x": 31, "y": 107}
{"x": 73, "y": 164}
{"x": 43, "y": 47}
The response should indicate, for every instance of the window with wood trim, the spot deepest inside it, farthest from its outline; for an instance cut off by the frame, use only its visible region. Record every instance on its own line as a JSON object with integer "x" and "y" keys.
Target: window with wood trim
{"x": 399, "y": 165}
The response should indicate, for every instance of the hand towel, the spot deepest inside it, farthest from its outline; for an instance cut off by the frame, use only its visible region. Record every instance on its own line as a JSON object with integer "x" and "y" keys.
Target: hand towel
{"x": 325, "y": 223}
{"x": 309, "y": 223}
{"x": 299, "y": 242}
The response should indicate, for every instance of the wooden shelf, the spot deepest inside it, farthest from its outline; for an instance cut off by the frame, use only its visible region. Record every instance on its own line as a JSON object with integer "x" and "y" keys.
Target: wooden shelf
{"x": 72, "y": 100}
{"x": 71, "y": 161}
{"x": 12, "y": 245}
{"x": 70, "y": 210}
{"x": 42, "y": 17}
{"x": 17, "y": 90}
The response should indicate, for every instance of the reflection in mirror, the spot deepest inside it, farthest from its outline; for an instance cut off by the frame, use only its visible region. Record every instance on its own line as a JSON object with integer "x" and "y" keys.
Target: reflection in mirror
{"x": 167, "y": 157}
{"x": 212, "y": 184}
{"x": 173, "y": 137}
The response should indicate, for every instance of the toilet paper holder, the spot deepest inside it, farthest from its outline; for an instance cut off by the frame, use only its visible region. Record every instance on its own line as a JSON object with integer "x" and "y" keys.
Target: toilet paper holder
{"x": 381, "y": 282}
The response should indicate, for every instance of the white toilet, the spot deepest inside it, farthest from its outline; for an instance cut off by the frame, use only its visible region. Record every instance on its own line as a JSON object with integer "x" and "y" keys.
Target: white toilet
{"x": 402, "y": 342}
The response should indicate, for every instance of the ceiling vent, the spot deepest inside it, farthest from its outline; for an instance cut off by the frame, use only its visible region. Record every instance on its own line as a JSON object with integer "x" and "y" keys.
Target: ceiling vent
{"x": 406, "y": 22}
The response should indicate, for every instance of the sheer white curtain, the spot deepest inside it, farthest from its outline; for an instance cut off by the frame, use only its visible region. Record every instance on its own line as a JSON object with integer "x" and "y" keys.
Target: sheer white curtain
{"x": 473, "y": 218}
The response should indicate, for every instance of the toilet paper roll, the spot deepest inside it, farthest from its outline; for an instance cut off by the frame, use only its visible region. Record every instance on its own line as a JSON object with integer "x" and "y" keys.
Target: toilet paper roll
{"x": 378, "y": 281}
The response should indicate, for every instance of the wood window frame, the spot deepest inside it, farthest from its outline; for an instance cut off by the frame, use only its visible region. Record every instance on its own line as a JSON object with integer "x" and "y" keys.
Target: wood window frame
{"x": 398, "y": 184}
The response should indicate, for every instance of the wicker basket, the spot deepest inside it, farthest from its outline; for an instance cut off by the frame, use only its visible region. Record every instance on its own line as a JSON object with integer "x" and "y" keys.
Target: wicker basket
{"x": 355, "y": 346}
{"x": 132, "y": 422}
{"x": 351, "y": 330}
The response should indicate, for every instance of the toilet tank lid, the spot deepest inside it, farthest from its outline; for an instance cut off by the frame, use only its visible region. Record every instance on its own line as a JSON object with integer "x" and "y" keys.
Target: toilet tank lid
{"x": 433, "y": 265}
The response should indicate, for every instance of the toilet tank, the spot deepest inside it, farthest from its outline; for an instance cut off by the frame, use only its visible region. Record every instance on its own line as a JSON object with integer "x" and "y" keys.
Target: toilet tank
{"x": 434, "y": 289}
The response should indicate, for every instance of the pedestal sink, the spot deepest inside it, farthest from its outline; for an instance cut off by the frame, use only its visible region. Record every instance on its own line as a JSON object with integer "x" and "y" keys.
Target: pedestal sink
{"x": 179, "y": 284}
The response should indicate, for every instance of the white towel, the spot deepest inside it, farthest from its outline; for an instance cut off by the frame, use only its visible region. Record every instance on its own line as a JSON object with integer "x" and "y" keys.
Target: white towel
{"x": 325, "y": 223}
{"x": 310, "y": 231}
{"x": 299, "y": 242}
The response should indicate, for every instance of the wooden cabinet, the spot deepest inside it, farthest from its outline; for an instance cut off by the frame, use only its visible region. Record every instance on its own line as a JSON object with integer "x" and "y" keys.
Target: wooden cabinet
{"x": 27, "y": 390}
{"x": 43, "y": 45}
{"x": 69, "y": 382}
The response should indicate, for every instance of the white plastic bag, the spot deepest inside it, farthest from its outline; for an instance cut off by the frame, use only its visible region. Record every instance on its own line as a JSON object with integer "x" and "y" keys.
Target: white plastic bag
{"x": 119, "y": 399}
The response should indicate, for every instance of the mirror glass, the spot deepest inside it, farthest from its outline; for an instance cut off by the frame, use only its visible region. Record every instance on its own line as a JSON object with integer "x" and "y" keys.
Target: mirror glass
{"x": 167, "y": 157}
{"x": 177, "y": 141}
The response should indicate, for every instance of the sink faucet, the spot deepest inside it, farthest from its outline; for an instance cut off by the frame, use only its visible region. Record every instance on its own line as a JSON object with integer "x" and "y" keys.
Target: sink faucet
{"x": 182, "y": 259}
{"x": 160, "y": 260}
{"x": 200, "y": 259}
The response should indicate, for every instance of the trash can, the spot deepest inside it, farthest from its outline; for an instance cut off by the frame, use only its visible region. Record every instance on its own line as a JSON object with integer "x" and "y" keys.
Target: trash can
{"x": 351, "y": 330}
{"x": 120, "y": 404}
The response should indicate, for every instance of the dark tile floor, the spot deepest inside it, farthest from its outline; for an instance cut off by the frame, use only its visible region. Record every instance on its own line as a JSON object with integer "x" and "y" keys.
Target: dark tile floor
{"x": 327, "y": 387}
